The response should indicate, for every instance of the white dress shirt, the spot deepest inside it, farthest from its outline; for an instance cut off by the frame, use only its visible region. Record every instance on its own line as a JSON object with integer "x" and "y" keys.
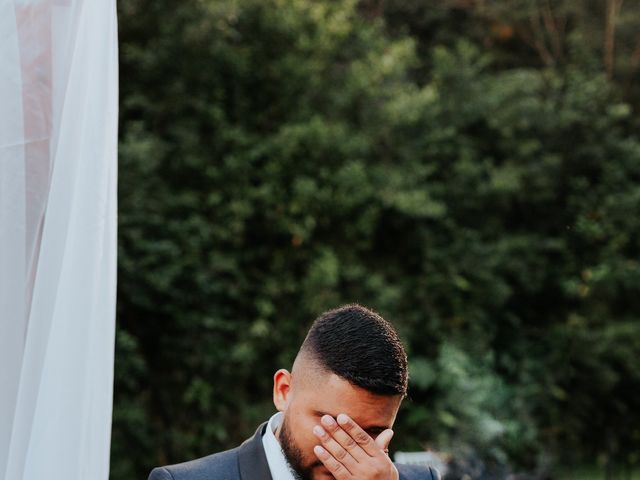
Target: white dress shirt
{"x": 278, "y": 464}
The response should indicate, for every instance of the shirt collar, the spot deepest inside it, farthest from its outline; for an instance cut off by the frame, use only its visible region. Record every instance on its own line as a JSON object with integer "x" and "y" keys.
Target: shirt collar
{"x": 278, "y": 464}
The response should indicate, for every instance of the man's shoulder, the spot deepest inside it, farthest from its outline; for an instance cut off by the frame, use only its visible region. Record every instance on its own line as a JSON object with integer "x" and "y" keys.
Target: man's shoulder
{"x": 247, "y": 460}
{"x": 222, "y": 465}
{"x": 417, "y": 472}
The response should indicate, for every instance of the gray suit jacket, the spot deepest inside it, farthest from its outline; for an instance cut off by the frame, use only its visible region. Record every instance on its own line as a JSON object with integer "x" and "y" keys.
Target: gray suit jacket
{"x": 249, "y": 462}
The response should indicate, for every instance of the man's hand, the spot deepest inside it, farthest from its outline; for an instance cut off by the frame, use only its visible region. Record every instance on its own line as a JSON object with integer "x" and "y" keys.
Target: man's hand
{"x": 349, "y": 453}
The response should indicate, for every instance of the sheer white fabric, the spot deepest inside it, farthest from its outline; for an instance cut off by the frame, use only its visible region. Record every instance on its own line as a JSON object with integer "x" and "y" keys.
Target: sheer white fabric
{"x": 58, "y": 169}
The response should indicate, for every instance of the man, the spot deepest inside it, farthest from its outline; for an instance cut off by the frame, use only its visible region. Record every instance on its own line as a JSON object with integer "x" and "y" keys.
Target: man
{"x": 336, "y": 410}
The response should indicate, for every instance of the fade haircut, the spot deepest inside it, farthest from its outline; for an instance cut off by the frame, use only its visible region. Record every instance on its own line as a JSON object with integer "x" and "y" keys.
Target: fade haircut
{"x": 361, "y": 347}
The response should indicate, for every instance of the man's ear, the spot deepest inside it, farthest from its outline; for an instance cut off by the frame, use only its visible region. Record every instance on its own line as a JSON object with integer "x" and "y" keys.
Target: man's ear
{"x": 281, "y": 389}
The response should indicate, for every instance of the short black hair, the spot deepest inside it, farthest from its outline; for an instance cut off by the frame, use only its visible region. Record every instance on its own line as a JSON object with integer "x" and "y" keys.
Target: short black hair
{"x": 360, "y": 346}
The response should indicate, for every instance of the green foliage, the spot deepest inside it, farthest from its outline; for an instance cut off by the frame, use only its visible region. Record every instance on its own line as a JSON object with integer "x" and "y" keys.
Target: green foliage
{"x": 278, "y": 158}
{"x": 594, "y": 35}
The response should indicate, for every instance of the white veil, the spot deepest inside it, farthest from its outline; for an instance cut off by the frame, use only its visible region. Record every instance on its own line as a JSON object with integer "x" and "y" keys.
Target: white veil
{"x": 58, "y": 171}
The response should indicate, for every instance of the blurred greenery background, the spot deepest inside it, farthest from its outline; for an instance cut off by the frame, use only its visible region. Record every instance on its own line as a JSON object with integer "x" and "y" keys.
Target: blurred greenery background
{"x": 468, "y": 168}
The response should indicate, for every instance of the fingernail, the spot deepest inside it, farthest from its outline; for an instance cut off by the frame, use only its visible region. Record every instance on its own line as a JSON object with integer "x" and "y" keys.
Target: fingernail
{"x": 328, "y": 420}
{"x": 318, "y": 450}
{"x": 343, "y": 419}
{"x": 318, "y": 430}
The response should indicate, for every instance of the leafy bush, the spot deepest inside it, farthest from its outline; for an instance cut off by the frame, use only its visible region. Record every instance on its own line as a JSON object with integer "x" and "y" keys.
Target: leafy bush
{"x": 278, "y": 158}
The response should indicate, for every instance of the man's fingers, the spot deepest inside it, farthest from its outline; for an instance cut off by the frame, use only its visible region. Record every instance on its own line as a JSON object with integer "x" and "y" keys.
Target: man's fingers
{"x": 343, "y": 438}
{"x": 334, "y": 448}
{"x": 338, "y": 470}
{"x": 384, "y": 439}
{"x": 361, "y": 437}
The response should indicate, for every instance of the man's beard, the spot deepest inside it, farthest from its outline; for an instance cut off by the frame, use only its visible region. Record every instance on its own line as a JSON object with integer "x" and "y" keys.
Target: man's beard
{"x": 293, "y": 454}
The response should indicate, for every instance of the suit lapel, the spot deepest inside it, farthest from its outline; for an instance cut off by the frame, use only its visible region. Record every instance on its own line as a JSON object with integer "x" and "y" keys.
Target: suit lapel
{"x": 252, "y": 459}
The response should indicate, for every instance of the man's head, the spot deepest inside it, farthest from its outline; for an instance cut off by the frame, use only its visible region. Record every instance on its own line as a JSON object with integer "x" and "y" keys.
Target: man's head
{"x": 351, "y": 362}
